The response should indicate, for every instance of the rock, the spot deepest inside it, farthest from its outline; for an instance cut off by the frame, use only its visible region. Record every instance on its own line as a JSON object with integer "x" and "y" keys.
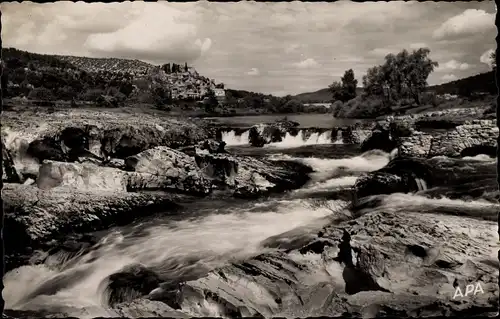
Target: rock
{"x": 46, "y": 149}
{"x": 379, "y": 140}
{"x": 132, "y": 282}
{"x": 418, "y": 145}
{"x": 144, "y": 308}
{"x": 213, "y": 146}
{"x": 9, "y": 172}
{"x": 130, "y": 140}
{"x": 33, "y": 217}
{"x": 101, "y": 133}
{"x": 383, "y": 183}
{"x": 81, "y": 176}
{"x": 116, "y": 163}
{"x": 454, "y": 178}
{"x": 401, "y": 175}
{"x": 405, "y": 266}
{"x": 262, "y": 134}
{"x": 251, "y": 177}
{"x": 165, "y": 168}
{"x": 255, "y": 138}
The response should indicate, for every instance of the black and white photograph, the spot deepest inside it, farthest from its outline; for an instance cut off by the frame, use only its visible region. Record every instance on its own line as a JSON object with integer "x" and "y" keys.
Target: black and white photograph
{"x": 249, "y": 159}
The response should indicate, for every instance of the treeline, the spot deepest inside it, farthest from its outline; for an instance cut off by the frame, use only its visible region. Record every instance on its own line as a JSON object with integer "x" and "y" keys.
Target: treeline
{"x": 399, "y": 83}
{"x": 47, "y": 78}
{"x": 467, "y": 87}
{"x": 266, "y": 103}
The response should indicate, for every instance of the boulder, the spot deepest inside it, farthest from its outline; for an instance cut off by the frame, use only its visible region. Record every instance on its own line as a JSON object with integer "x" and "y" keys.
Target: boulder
{"x": 165, "y": 168}
{"x": 255, "y": 138}
{"x": 401, "y": 175}
{"x": 250, "y": 177}
{"x": 454, "y": 178}
{"x": 131, "y": 282}
{"x": 86, "y": 176}
{"x": 46, "y": 149}
{"x": 130, "y": 140}
{"x": 379, "y": 139}
{"x": 365, "y": 266}
{"x": 262, "y": 134}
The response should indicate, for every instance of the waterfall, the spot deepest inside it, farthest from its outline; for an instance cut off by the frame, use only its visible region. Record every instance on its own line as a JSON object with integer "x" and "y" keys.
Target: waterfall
{"x": 338, "y": 139}
{"x": 232, "y": 139}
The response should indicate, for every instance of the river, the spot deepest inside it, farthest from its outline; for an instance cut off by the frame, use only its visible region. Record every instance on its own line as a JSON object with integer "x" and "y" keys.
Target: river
{"x": 210, "y": 233}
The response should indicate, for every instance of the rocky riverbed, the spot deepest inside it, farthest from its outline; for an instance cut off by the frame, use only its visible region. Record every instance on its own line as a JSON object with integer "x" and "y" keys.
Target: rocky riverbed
{"x": 370, "y": 233}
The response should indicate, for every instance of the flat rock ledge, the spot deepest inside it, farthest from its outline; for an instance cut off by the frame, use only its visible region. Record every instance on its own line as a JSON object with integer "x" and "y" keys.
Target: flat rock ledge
{"x": 379, "y": 264}
{"x": 33, "y": 216}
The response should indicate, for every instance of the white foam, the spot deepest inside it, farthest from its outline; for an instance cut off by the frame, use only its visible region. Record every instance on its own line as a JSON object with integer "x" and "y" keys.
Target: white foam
{"x": 214, "y": 240}
{"x": 325, "y": 167}
{"x": 231, "y": 139}
{"x": 480, "y": 158}
{"x": 290, "y": 141}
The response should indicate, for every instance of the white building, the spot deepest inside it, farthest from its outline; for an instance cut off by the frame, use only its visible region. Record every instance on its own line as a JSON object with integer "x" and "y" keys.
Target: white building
{"x": 220, "y": 94}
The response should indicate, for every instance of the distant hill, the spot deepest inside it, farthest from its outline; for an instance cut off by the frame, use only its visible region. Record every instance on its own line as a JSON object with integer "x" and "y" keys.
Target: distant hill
{"x": 44, "y": 77}
{"x": 480, "y": 83}
{"x": 320, "y": 96}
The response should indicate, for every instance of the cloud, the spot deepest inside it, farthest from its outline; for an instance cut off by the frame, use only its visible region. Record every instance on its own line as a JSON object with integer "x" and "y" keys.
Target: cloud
{"x": 486, "y": 57}
{"x": 292, "y": 47}
{"x": 205, "y": 45}
{"x": 453, "y": 65}
{"x": 381, "y": 52}
{"x": 469, "y": 22}
{"x": 449, "y": 77}
{"x": 161, "y": 32}
{"x": 254, "y": 72}
{"x": 307, "y": 64}
{"x": 416, "y": 46}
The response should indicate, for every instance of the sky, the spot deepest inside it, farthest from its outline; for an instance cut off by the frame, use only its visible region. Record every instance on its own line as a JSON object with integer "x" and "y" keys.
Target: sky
{"x": 275, "y": 48}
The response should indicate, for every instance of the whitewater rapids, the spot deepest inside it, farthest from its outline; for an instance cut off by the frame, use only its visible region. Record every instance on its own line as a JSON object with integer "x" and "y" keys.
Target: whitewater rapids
{"x": 288, "y": 141}
{"x": 208, "y": 238}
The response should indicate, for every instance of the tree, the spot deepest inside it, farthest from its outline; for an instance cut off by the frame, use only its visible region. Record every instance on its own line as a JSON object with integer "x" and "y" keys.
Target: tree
{"x": 349, "y": 85}
{"x": 185, "y": 67}
{"x": 404, "y": 74}
{"x": 493, "y": 58}
{"x": 337, "y": 91}
{"x": 346, "y": 89}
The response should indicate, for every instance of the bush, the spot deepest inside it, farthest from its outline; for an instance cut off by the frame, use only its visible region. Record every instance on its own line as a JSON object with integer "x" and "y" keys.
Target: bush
{"x": 365, "y": 107}
{"x": 337, "y": 107}
{"x": 429, "y": 98}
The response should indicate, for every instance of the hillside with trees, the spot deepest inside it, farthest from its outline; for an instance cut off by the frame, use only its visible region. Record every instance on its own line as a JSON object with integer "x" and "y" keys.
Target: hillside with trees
{"x": 483, "y": 83}
{"x": 99, "y": 81}
{"x": 44, "y": 80}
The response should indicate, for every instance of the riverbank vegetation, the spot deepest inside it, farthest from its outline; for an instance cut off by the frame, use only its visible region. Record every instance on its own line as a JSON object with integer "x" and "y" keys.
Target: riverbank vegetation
{"x": 399, "y": 86}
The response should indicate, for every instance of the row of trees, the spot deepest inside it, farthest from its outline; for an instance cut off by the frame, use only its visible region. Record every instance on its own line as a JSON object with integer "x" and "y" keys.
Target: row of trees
{"x": 402, "y": 76}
